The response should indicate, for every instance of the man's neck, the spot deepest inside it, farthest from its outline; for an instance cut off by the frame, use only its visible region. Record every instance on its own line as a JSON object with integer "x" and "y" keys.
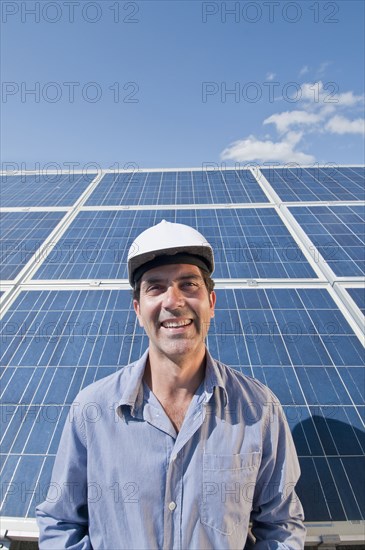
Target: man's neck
{"x": 174, "y": 384}
{"x": 174, "y": 380}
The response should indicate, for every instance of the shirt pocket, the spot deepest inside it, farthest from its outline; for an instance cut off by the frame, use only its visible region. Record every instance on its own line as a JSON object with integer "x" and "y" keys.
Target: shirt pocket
{"x": 228, "y": 484}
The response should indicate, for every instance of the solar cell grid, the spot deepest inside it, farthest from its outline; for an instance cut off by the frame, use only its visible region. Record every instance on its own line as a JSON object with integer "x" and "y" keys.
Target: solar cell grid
{"x": 68, "y": 339}
{"x": 317, "y": 184}
{"x": 358, "y": 295}
{"x": 43, "y": 190}
{"x": 338, "y": 234}
{"x": 185, "y": 187}
{"x": 21, "y": 235}
{"x": 248, "y": 243}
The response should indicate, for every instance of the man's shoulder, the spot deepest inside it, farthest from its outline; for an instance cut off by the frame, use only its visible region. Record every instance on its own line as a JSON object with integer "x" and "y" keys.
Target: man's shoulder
{"x": 108, "y": 388}
{"x": 242, "y": 384}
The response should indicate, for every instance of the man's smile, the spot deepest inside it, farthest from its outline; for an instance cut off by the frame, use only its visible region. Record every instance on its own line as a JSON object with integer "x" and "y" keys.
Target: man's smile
{"x": 176, "y": 323}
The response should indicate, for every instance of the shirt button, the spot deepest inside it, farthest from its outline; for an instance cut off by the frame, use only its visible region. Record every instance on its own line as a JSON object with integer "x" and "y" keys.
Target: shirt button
{"x": 172, "y": 506}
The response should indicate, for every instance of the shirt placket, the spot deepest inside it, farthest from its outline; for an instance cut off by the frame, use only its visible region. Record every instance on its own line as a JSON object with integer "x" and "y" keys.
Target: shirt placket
{"x": 173, "y": 502}
{"x": 173, "y": 506}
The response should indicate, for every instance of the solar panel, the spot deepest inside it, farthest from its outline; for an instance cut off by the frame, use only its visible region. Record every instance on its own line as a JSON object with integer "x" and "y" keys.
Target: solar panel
{"x": 333, "y": 183}
{"x": 338, "y": 234}
{"x": 21, "y": 234}
{"x": 247, "y": 242}
{"x": 358, "y": 295}
{"x": 301, "y": 338}
{"x": 294, "y": 340}
{"x": 185, "y": 187}
{"x": 43, "y": 190}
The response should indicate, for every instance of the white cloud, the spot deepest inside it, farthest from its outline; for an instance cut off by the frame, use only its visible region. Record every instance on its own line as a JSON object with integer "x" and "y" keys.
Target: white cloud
{"x": 317, "y": 112}
{"x": 326, "y": 111}
{"x": 342, "y": 125}
{"x": 318, "y": 94}
{"x": 348, "y": 99}
{"x": 270, "y": 76}
{"x": 311, "y": 91}
{"x": 304, "y": 70}
{"x": 252, "y": 149}
{"x": 323, "y": 66}
{"x": 284, "y": 120}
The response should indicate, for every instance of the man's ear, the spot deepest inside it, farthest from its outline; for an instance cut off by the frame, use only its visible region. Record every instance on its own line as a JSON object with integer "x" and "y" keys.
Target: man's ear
{"x": 212, "y": 300}
{"x": 138, "y": 313}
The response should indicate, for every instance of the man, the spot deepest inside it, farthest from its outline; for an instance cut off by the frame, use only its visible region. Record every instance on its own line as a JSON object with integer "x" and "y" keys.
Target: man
{"x": 182, "y": 452}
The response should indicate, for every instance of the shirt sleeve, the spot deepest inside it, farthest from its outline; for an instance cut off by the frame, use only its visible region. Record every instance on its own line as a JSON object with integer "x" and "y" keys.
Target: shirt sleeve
{"x": 277, "y": 514}
{"x": 63, "y": 517}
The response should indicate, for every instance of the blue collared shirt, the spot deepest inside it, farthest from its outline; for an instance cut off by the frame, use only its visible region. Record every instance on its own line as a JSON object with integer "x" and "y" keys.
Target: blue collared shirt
{"x": 124, "y": 479}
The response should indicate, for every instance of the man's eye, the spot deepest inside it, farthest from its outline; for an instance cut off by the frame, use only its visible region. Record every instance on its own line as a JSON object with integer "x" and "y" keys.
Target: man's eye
{"x": 190, "y": 284}
{"x": 153, "y": 288}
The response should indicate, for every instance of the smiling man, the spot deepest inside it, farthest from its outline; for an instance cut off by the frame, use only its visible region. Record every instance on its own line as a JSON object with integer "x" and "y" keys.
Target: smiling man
{"x": 179, "y": 451}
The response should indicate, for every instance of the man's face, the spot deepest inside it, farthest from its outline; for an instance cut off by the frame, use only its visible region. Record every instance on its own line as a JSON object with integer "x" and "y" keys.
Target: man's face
{"x": 175, "y": 310}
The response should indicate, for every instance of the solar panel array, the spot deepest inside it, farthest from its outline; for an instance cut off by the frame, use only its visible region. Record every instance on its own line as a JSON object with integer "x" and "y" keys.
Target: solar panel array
{"x": 317, "y": 184}
{"x": 21, "y": 236}
{"x": 358, "y": 295}
{"x": 188, "y": 187}
{"x": 43, "y": 189}
{"x": 68, "y": 320}
{"x": 248, "y": 243}
{"x": 338, "y": 234}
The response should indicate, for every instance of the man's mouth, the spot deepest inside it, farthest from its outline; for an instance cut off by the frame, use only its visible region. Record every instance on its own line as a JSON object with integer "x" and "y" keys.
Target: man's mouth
{"x": 178, "y": 323}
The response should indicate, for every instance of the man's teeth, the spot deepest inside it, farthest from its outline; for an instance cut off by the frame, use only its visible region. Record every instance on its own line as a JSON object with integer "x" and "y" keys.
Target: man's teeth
{"x": 176, "y": 324}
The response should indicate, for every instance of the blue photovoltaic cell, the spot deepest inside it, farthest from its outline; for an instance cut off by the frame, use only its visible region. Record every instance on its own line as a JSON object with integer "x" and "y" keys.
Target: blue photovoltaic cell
{"x": 317, "y": 184}
{"x": 188, "y": 187}
{"x": 21, "y": 234}
{"x": 338, "y": 232}
{"x": 358, "y": 295}
{"x": 43, "y": 190}
{"x": 295, "y": 341}
{"x": 249, "y": 243}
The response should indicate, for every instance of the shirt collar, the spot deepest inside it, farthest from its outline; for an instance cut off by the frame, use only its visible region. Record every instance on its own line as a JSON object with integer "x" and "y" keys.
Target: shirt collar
{"x": 133, "y": 392}
{"x": 213, "y": 377}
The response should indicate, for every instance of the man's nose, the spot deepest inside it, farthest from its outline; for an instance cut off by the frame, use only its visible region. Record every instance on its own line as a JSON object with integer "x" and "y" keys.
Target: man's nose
{"x": 173, "y": 297}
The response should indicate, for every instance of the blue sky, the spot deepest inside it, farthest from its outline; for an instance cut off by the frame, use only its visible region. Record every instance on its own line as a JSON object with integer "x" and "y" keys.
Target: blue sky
{"x": 178, "y": 84}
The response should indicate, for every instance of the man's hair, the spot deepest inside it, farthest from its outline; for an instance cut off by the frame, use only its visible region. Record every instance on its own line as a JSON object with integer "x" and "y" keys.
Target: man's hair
{"x": 208, "y": 281}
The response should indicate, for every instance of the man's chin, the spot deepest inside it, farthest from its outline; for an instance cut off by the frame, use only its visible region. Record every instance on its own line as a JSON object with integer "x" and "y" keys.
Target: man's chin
{"x": 181, "y": 348}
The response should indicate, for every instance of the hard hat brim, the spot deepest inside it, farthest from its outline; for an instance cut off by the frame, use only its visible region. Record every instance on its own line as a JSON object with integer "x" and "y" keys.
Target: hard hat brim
{"x": 194, "y": 255}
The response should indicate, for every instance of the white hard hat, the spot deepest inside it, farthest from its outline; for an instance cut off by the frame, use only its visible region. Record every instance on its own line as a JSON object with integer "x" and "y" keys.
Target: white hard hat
{"x": 165, "y": 243}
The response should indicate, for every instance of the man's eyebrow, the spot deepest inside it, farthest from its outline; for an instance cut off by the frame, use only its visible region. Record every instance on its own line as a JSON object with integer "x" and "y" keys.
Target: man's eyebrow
{"x": 152, "y": 280}
{"x": 159, "y": 279}
{"x": 189, "y": 276}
